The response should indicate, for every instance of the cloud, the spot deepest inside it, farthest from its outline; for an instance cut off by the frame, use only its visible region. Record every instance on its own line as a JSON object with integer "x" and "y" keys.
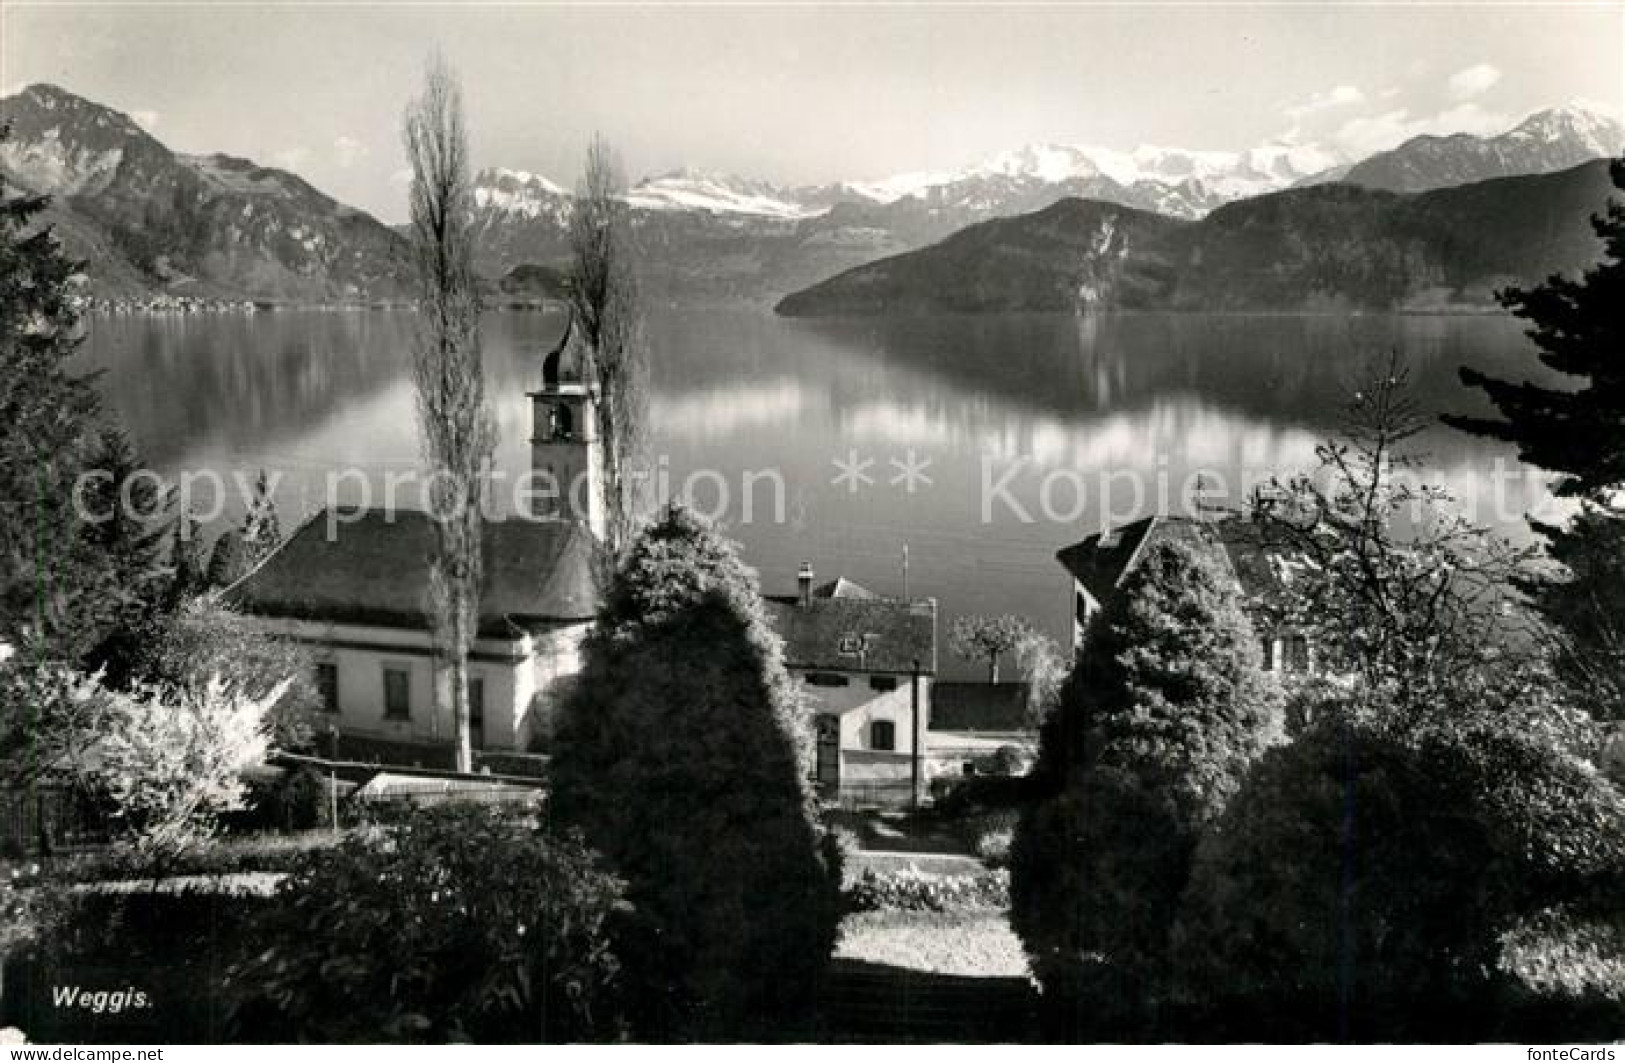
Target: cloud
{"x": 1471, "y": 118}
{"x": 1372, "y": 133}
{"x": 1340, "y": 96}
{"x": 291, "y": 158}
{"x": 147, "y": 120}
{"x": 349, "y": 151}
{"x": 1473, "y": 81}
{"x": 403, "y": 176}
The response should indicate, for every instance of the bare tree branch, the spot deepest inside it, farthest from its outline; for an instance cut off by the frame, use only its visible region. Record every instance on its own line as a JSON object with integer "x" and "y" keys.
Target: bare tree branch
{"x": 458, "y": 430}
{"x": 605, "y": 297}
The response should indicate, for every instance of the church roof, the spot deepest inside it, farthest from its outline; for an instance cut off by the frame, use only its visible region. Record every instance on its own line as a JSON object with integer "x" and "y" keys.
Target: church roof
{"x": 374, "y": 569}
{"x": 566, "y": 362}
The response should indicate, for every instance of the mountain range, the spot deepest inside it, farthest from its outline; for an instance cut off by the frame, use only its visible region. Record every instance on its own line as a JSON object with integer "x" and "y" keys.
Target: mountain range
{"x": 1328, "y": 247}
{"x": 150, "y": 219}
{"x": 215, "y": 226}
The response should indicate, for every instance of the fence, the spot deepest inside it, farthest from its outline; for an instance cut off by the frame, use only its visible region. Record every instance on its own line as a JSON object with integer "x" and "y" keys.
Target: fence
{"x": 879, "y": 793}
{"x": 45, "y": 819}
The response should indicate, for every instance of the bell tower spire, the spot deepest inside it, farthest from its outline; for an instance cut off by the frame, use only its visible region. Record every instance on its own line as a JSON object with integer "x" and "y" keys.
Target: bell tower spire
{"x": 567, "y": 476}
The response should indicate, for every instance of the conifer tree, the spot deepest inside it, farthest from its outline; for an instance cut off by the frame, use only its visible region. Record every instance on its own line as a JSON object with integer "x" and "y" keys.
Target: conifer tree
{"x": 1164, "y": 711}
{"x": 683, "y": 755}
{"x": 49, "y": 576}
{"x": 1578, "y": 327}
{"x": 262, "y": 531}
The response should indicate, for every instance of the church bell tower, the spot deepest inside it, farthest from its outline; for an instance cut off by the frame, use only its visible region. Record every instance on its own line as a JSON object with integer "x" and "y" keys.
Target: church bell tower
{"x": 567, "y": 475}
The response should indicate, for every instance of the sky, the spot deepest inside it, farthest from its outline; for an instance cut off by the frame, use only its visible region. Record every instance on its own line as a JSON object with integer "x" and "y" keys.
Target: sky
{"x": 807, "y": 93}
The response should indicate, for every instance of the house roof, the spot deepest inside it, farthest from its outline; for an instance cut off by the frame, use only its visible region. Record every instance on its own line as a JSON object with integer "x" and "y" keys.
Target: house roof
{"x": 962, "y": 706}
{"x": 1264, "y": 574}
{"x": 374, "y": 569}
{"x": 841, "y": 587}
{"x": 855, "y": 632}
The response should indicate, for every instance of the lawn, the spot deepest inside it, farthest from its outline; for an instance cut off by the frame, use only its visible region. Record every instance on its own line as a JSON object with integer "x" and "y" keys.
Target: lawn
{"x": 976, "y": 943}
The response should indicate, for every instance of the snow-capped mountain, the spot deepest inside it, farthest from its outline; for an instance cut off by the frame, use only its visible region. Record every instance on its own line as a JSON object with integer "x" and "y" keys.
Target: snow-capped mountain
{"x": 148, "y": 218}
{"x": 521, "y": 193}
{"x": 1169, "y": 180}
{"x": 719, "y": 193}
{"x": 1545, "y": 142}
{"x": 1192, "y": 182}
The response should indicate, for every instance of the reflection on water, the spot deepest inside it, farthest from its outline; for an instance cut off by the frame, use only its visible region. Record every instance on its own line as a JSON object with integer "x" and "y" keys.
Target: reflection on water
{"x": 1079, "y": 418}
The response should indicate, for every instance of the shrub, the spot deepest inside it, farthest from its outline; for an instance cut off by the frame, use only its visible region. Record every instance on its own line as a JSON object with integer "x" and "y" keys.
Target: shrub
{"x": 910, "y": 890}
{"x": 243, "y": 854}
{"x": 203, "y": 639}
{"x": 1567, "y": 967}
{"x": 1159, "y": 720}
{"x": 154, "y": 956}
{"x": 295, "y": 800}
{"x": 459, "y": 922}
{"x": 971, "y": 795}
{"x": 1359, "y": 883}
{"x": 1008, "y": 760}
{"x": 684, "y": 754}
{"x": 989, "y": 835}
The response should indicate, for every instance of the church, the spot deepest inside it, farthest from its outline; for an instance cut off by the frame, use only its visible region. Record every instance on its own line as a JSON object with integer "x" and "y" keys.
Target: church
{"x": 352, "y": 584}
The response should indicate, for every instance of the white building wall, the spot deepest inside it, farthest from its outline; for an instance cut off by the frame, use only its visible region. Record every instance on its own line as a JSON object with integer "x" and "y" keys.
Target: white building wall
{"x": 514, "y": 670}
{"x": 554, "y": 665}
{"x": 859, "y": 705}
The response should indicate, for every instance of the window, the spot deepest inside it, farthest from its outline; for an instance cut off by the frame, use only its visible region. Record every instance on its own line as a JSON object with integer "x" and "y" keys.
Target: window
{"x": 1296, "y": 653}
{"x": 883, "y": 735}
{"x": 397, "y": 693}
{"x": 327, "y": 685}
{"x": 826, "y": 679}
{"x": 882, "y": 682}
{"x": 563, "y": 422}
{"x": 1267, "y": 659}
{"x": 476, "y": 711}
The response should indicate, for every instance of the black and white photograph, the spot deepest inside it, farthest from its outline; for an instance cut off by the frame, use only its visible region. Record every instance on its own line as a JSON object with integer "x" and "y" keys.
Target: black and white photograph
{"x": 958, "y": 523}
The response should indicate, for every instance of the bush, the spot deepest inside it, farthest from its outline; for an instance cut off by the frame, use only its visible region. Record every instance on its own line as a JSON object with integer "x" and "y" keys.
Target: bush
{"x": 243, "y": 854}
{"x": 910, "y": 890}
{"x": 153, "y": 956}
{"x": 295, "y": 800}
{"x": 989, "y": 835}
{"x": 684, "y": 754}
{"x": 1163, "y": 712}
{"x": 970, "y": 795}
{"x": 1360, "y": 882}
{"x": 459, "y": 922}
{"x": 1568, "y": 972}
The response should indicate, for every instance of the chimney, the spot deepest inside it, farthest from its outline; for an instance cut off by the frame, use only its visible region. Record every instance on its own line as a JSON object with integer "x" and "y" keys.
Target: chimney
{"x": 804, "y": 581}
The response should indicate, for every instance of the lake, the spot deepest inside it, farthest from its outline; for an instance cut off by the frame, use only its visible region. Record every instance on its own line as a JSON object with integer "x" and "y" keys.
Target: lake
{"x": 1017, "y": 434}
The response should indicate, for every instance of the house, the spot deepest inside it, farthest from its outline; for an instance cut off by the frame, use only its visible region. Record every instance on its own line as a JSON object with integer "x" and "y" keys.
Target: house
{"x": 1264, "y": 576}
{"x": 354, "y": 585}
{"x": 977, "y": 728}
{"x": 865, "y": 664}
